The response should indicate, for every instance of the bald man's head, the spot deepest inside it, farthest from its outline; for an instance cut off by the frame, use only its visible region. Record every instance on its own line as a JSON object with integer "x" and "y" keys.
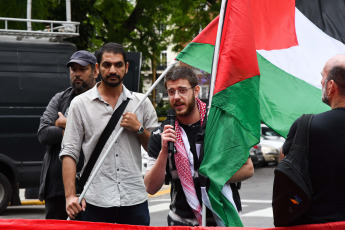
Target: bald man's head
{"x": 333, "y": 71}
{"x": 337, "y": 60}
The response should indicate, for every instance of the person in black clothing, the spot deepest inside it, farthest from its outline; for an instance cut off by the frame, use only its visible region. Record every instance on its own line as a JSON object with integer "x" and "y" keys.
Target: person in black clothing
{"x": 182, "y": 167}
{"x": 326, "y": 148}
{"x": 83, "y": 76}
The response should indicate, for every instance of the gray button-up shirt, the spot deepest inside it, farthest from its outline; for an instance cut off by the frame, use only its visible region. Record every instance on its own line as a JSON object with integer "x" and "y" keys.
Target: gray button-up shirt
{"x": 119, "y": 181}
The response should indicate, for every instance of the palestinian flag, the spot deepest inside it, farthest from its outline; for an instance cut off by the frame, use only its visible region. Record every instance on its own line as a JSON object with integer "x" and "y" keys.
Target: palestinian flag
{"x": 233, "y": 124}
{"x": 293, "y": 39}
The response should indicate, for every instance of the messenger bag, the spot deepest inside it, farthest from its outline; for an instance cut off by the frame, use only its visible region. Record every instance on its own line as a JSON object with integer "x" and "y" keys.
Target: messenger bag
{"x": 292, "y": 188}
{"x": 81, "y": 181}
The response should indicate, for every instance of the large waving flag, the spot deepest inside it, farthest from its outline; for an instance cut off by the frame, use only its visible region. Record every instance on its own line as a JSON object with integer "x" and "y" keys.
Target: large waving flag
{"x": 233, "y": 124}
{"x": 293, "y": 41}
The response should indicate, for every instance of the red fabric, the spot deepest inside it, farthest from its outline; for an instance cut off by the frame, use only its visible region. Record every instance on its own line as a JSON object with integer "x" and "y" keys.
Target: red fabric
{"x": 266, "y": 24}
{"x": 209, "y": 34}
{"x": 237, "y": 54}
{"x": 22, "y": 224}
{"x": 274, "y": 24}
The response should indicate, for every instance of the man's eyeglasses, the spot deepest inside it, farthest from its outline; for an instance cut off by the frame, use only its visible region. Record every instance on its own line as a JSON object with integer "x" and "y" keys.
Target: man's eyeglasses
{"x": 182, "y": 91}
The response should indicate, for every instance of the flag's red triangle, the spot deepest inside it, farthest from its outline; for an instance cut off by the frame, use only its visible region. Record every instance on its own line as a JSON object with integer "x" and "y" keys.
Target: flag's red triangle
{"x": 274, "y": 25}
{"x": 237, "y": 55}
{"x": 209, "y": 34}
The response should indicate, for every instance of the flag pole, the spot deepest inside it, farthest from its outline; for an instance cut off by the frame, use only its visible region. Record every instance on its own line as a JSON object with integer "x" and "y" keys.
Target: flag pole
{"x": 216, "y": 53}
{"x": 213, "y": 76}
{"x": 98, "y": 166}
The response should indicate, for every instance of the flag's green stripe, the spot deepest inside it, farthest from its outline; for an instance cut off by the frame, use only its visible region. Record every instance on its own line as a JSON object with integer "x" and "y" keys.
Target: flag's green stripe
{"x": 198, "y": 55}
{"x": 284, "y": 98}
{"x": 233, "y": 127}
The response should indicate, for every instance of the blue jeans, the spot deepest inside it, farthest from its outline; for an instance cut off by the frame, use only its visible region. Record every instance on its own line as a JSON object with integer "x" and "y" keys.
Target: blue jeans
{"x": 133, "y": 215}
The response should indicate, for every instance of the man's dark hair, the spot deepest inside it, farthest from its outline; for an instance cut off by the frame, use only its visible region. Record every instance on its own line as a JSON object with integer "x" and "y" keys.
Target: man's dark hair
{"x": 337, "y": 74}
{"x": 181, "y": 72}
{"x": 111, "y": 47}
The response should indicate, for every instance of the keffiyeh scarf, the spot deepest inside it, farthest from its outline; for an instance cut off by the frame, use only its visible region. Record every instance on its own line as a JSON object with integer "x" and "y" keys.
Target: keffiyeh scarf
{"x": 183, "y": 166}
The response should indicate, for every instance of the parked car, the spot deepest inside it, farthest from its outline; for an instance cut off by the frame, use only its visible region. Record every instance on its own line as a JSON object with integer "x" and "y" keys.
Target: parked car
{"x": 271, "y": 144}
{"x": 256, "y": 155}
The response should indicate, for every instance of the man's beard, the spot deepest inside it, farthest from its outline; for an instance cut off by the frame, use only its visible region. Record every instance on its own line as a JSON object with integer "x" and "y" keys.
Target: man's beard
{"x": 190, "y": 108}
{"x": 111, "y": 84}
{"x": 80, "y": 88}
{"x": 325, "y": 98}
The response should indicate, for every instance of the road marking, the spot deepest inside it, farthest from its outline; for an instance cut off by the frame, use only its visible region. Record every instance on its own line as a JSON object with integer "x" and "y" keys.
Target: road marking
{"x": 159, "y": 207}
{"x": 161, "y": 192}
{"x": 257, "y": 201}
{"x": 267, "y": 212}
{"x": 159, "y": 200}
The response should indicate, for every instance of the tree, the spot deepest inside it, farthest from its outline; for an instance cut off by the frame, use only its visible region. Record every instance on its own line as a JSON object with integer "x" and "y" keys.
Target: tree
{"x": 143, "y": 25}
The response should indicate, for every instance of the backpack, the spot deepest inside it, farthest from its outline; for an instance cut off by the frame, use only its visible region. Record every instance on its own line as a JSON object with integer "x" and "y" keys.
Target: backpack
{"x": 292, "y": 188}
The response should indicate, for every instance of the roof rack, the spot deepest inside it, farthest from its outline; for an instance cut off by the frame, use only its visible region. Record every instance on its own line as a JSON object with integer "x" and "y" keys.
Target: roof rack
{"x": 54, "y": 30}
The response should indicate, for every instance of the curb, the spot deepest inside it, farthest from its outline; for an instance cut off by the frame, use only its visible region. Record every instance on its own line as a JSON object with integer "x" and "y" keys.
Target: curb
{"x": 38, "y": 202}
{"x": 32, "y": 202}
{"x": 162, "y": 192}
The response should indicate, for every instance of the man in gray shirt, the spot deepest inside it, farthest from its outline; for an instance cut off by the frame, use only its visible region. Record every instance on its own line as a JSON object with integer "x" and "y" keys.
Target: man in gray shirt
{"x": 117, "y": 193}
{"x": 83, "y": 74}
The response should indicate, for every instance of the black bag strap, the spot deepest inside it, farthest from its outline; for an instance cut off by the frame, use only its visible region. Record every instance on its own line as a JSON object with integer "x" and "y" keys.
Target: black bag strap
{"x": 101, "y": 142}
{"x": 301, "y": 144}
{"x": 301, "y": 139}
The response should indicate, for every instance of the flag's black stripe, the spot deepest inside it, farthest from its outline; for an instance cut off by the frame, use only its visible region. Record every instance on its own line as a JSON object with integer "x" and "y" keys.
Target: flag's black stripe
{"x": 328, "y": 15}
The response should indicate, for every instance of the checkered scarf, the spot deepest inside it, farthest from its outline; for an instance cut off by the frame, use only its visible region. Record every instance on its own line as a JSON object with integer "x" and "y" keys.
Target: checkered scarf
{"x": 183, "y": 167}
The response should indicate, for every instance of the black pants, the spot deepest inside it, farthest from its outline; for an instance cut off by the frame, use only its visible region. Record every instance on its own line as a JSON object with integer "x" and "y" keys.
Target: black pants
{"x": 55, "y": 208}
{"x": 133, "y": 215}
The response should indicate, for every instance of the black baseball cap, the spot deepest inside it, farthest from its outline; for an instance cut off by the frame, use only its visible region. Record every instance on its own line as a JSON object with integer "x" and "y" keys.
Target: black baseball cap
{"x": 83, "y": 58}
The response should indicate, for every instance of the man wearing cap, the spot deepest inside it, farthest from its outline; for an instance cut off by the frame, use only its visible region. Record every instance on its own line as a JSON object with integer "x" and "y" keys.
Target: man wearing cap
{"x": 117, "y": 193}
{"x": 83, "y": 74}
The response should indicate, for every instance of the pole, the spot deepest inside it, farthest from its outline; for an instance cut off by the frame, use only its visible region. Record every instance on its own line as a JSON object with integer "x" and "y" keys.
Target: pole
{"x": 68, "y": 10}
{"x": 213, "y": 77}
{"x": 216, "y": 52}
{"x": 98, "y": 166}
{"x": 28, "y": 14}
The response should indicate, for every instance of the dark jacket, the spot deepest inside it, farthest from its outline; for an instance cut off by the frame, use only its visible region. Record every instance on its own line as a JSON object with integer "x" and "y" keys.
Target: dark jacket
{"x": 51, "y": 136}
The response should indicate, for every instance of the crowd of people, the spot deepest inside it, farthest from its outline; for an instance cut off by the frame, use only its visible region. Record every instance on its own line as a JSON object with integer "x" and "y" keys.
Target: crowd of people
{"x": 75, "y": 119}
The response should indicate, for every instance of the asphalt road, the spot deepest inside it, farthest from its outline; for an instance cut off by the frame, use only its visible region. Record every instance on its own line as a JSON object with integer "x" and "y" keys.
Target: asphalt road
{"x": 256, "y": 195}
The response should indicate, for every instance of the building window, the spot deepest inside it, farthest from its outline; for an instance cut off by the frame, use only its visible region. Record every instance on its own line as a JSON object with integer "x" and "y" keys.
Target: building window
{"x": 163, "y": 59}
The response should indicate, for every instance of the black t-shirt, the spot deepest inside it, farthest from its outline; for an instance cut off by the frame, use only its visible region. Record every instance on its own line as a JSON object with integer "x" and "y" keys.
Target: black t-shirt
{"x": 179, "y": 203}
{"x": 327, "y": 158}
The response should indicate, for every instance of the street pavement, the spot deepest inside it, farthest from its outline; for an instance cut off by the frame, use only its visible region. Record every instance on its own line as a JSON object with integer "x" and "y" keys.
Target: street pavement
{"x": 256, "y": 195}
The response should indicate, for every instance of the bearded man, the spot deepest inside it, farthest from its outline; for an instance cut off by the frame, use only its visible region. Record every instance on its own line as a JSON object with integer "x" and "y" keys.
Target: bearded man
{"x": 117, "y": 193}
{"x": 326, "y": 148}
{"x": 83, "y": 74}
{"x": 182, "y": 167}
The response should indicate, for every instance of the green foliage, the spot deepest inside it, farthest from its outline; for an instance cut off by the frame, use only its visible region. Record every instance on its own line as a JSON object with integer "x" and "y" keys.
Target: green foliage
{"x": 143, "y": 25}
{"x": 17, "y": 9}
{"x": 162, "y": 108}
{"x": 146, "y": 26}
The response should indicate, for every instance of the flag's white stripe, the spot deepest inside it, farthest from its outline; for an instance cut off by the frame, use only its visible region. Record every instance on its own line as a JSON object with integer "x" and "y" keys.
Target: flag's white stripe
{"x": 306, "y": 60}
